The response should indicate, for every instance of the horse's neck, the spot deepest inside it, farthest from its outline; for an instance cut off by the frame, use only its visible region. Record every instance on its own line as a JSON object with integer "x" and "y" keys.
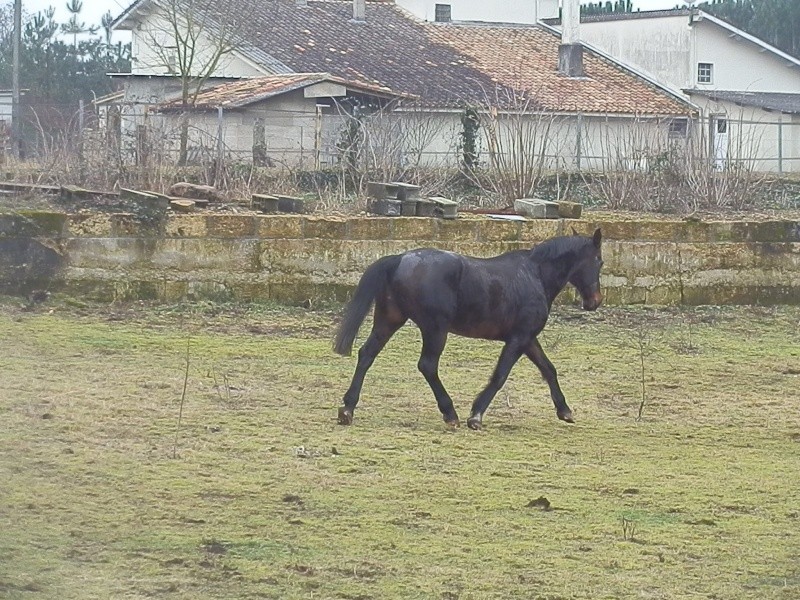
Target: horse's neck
{"x": 554, "y": 275}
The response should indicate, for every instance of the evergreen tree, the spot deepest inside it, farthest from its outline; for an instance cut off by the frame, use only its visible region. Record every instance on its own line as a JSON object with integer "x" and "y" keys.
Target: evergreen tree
{"x": 105, "y": 22}
{"x": 73, "y": 27}
{"x": 55, "y": 72}
{"x": 777, "y": 22}
{"x": 608, "y": 7}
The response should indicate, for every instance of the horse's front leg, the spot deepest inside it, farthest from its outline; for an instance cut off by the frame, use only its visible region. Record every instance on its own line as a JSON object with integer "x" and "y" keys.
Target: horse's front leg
{"x": 539, "y": 358}
{"x": 382, "y": 330}
{"x": 433, "y": 342}
{"x": 508, "y": 358}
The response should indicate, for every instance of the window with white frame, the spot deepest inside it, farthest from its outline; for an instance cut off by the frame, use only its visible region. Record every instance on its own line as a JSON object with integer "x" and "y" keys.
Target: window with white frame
{"x": 705, "y": 72}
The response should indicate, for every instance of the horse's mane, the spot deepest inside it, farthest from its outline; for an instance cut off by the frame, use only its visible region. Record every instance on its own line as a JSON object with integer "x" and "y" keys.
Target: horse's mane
{"x": 557, "y": 247}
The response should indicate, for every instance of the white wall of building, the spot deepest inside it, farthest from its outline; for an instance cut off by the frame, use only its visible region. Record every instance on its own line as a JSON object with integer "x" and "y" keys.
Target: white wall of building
{"x": 764, "y": 141}
{"x": 296, "y": 135}
{"x": 740, "y": 64}
{"x": 152, "y": 39}
{"x": 660, "y": 48}
{"x": 669, "y": 48}
{"x": 591, "y": 142}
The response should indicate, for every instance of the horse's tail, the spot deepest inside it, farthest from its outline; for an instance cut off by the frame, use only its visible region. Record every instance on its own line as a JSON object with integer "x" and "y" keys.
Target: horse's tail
{"x": 374, "y": 279}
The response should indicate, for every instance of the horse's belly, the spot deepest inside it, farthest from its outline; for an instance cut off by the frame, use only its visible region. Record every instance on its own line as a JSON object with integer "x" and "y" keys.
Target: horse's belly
{"x": 486, "y": 330}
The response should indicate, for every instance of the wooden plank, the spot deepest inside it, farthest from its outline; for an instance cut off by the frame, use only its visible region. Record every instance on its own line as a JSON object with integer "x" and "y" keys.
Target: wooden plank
{"x": 29, "y": 188}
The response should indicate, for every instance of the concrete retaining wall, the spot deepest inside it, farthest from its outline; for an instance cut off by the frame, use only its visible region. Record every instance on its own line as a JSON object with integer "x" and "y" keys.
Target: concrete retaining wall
{"x": 299, "y": 258}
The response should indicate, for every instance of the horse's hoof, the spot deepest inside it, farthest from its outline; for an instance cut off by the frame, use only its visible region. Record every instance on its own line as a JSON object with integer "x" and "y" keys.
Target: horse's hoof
{"x": 345, "y": 416}
{"x": 566, "y": 416}
{"x": 454, "y": 423}
{"x": 474, "y": 423}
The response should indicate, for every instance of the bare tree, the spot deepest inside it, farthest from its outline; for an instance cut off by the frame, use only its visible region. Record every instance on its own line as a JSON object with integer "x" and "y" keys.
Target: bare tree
{"x": 192, "y": 39}
{"x": 520, "y": 145}
{"x": 379, "y": 141}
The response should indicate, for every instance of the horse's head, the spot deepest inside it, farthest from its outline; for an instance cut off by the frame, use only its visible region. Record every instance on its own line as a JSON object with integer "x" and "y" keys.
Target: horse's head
{"x": 585, "y": 275}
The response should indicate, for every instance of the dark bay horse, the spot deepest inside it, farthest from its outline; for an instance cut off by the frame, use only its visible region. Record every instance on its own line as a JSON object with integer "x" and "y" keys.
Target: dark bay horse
{"x": 505, "y": 298}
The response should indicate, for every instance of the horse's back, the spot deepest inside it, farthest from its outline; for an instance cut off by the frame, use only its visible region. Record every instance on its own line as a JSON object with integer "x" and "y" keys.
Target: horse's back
{"x": 427, "y": 268}
{"x": 426, "y": 282}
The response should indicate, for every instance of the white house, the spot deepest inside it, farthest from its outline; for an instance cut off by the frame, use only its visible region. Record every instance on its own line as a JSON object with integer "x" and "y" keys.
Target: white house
{"x": 747, "y": 90}
{"x": 445, "y": 65}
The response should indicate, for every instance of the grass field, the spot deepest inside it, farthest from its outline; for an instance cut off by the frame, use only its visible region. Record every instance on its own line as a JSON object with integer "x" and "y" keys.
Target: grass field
{"x": 263, "y": 495}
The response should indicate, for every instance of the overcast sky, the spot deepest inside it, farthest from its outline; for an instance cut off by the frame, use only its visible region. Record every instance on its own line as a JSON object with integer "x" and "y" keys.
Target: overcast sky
{"x": 93, "y": 10}
{"x": 91, "y": 14}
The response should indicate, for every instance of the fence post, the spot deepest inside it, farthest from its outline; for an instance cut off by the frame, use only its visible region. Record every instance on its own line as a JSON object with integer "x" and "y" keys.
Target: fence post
{"x": 780, "y": 147}
{"x": 302, "y": 143}
{"x": 220, "y": 147}
{"x": 318, "y": 138}
{"x": 81, "y": 157}
{"x": 259, "y": 142}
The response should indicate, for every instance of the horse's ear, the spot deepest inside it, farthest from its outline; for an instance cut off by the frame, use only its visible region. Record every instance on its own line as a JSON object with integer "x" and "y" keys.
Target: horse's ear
{"x": 573, "y": 231}
{"x": 597, "y": 238}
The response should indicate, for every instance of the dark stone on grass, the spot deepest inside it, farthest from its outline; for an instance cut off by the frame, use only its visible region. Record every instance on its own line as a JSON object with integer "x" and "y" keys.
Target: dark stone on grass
{"x": 214, "y": 547}
{"x": 540, "y": 502}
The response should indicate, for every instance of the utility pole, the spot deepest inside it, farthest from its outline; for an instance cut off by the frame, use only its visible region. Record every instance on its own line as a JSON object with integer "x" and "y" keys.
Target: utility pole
{"x": 16, "y": 140}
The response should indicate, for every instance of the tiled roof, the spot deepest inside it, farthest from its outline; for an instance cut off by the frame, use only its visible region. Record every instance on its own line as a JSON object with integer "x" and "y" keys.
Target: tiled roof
{"x": 526, "y": 58}
{"x": 773, "y": 101}
{"x": 445, "y": 64}
{"x": 237, "y": 94}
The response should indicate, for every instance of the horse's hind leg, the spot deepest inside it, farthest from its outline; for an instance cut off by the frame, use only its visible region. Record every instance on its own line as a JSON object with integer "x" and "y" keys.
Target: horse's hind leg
{"x": 386, "y": 322}
{"x": 539, "y": 358}
{"x": 433, "y": 342}
{"x": 508, "y": 358}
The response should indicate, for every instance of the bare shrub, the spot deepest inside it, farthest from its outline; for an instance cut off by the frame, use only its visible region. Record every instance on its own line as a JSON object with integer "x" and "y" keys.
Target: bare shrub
{"x": 626, "y": 152}
{"x": 729, "y": 183}
{"x": 380, "y": 143}
{"x": 519, "y": 144}
{"x": 517, "y": 151}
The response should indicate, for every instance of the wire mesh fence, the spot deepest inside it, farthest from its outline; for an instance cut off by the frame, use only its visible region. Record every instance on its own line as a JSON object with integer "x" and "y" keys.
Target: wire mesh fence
{"x": 137, "y": 134}
{"x": 638, "y": 163}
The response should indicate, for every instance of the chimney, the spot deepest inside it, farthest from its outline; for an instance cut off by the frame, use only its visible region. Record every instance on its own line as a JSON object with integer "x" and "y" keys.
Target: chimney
{"x": 570, "y": 52}
{"x": 359, "y": 10}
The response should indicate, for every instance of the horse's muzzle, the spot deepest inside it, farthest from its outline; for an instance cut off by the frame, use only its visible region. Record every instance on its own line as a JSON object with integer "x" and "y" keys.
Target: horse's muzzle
{"x": 593, "y": 301}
